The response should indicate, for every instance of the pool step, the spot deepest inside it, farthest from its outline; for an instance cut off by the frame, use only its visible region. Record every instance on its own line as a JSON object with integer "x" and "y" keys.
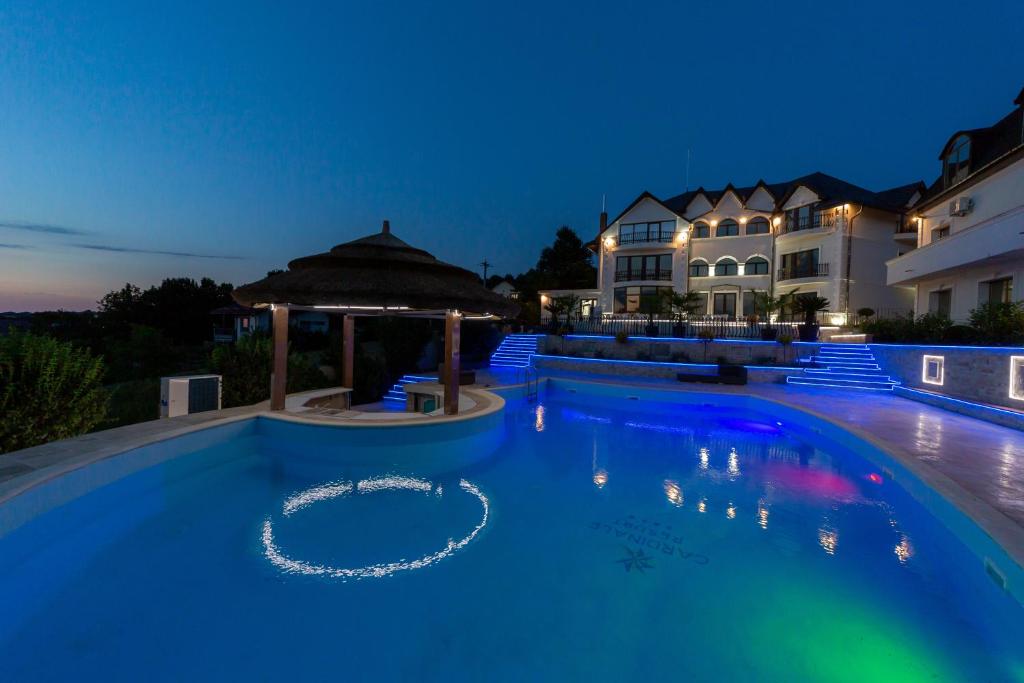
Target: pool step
{"x": 396, "y": 394}
{"x": 515, "y": 351}
{"x": 843, "y": 366}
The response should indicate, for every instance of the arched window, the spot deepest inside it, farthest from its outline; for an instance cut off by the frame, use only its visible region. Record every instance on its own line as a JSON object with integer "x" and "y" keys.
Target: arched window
{"x": 726, "y": 266}
{"x": 957, "y": 161}
{"x": 756, "y": 265}
{"x": 701, "y": 229}
{"x": 758, "y": 226}
{"x": 698, "y": 268}
{"x": 727, "y": 228}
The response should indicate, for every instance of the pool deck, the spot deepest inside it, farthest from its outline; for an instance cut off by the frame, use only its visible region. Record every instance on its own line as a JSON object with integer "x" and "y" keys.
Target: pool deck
{"x": 979, "y": 466}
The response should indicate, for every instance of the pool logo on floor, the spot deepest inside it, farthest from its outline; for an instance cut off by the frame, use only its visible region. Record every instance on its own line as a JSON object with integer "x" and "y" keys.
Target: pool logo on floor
{"x": 646, "y": 535}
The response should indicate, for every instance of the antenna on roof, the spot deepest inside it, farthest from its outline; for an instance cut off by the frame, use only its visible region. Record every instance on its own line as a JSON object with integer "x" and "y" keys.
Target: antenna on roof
{"x": 687, "y": 189}
{"x": 603, "y": 209}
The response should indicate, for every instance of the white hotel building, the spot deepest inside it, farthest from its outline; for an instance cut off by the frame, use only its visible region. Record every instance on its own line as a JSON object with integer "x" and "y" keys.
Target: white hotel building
{"x": 815, "y": 235}
{"x": 969, "y": 224}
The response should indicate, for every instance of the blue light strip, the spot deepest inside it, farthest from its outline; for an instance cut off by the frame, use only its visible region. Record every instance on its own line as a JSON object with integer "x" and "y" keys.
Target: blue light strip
{"x": 979, "y": 406}
{"x": 1014, "y": 350}
{"x": 658, "y": 364}
{"x": 685, "y": 339}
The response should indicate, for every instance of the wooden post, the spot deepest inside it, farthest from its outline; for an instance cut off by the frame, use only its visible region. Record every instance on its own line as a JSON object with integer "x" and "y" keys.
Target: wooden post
{"x": 279, "y": 371}
{"x": 348, "y": 351}
{"x": 452, "y": 328}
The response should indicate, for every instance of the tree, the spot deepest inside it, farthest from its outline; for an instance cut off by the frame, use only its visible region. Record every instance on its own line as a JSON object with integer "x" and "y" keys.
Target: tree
{"x": 245, "y": 367}
{"x": 766, "y": 304}
{"x": 49, "y": 390}
{"x": 179, "y": 308}
{"x": 562, "y": 304}
{"x": 681, "y": 305}
{"x": 566, "y": 264}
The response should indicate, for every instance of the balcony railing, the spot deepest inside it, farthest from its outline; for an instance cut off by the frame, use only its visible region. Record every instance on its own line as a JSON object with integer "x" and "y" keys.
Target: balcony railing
{"x": 721, "y": 326}
{"x": 639, "y": 275}
{"x": 792, "y": 273}
{"x": 663, "y": 238}
{"x": 818, "y": 220}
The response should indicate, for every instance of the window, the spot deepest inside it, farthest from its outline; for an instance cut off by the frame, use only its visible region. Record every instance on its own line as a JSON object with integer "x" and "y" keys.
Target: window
{"x": 758, "y": 226}
{"x": 802, "y": 264}
{"x": 756, "y": 266}
{"x": 702, "y": 303}
{"x": 940, "y": 302}
{"x": 638, "y": 233}
{"x": 627, "y": 299}
{"x": 726, "y": 267}
{"x": 701, "y": 230}
{"x": 649, "y": 267}
{"x": 956, "y": 163}
{"x": 727, "y": 228}
{"x": 940, "y": 233}
{"x": 802, "y": 218}
{"x": 996, "y": 291}
{"x": 698, "y": 269}
{"x": 725, "y": 304}
{"x": 749, "y": 303}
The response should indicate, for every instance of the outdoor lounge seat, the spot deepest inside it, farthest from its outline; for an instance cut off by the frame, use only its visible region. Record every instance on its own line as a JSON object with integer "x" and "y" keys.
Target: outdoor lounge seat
{"x": 727, "y": 374}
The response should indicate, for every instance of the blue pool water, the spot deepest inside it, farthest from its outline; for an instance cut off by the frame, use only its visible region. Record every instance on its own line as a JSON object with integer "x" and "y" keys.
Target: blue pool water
{"x": 587, "y": 536}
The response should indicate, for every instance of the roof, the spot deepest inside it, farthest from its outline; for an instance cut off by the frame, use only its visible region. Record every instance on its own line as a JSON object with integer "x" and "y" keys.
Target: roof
{"x": 830, "y": 190}
{"x": 988, "y": 146}
{"x": 379, "y": 270}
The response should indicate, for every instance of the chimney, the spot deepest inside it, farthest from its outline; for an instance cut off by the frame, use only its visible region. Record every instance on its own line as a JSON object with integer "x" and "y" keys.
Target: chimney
{"x": 386, "y": 228}
{"x": 604, "y": 223}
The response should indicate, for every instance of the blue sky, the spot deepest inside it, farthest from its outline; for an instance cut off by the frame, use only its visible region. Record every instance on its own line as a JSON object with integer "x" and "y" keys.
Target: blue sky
{"x": 140, "y": 141}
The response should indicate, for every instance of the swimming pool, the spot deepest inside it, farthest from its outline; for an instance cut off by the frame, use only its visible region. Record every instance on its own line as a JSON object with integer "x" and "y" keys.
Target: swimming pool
{"x": 598, "y": 533}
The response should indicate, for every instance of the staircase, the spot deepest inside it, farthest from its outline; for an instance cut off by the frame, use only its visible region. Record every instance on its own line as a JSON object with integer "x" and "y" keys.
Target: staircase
{"x": 396, "y": 394}
{"x": 848, "y": 366}
{"x": 515, "y": 351}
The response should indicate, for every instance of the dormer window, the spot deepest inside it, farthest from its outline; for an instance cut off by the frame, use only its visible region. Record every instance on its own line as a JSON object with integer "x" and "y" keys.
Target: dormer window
{"x": 956, "y": 163}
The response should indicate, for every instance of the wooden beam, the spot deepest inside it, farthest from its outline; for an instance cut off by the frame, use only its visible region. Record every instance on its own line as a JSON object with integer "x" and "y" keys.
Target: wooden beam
{"x": 348, "y": 351}
{"x": 452, "y": 329}
{"x": 279, "y": 370}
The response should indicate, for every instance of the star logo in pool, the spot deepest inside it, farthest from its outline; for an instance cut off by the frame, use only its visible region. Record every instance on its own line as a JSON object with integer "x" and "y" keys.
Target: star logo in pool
{"x": 636, "y": 559}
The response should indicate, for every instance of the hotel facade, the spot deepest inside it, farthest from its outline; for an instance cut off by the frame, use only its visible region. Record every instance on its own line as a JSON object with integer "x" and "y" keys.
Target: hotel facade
{"x": 812, "y": 236}
{"x": 969, "y": 224}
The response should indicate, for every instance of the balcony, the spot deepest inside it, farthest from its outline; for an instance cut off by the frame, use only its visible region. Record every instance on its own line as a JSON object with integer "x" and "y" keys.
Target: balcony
{"x": 640, "y": 275}
{"x": 816, "y": 270}
{"x": 629, "y": 240}
{"x": 816, "y": 222}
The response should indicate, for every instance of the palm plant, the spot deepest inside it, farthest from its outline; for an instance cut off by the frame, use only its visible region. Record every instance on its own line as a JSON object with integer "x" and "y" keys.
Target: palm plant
{"x": 810, "y": 306}
{"x": 680, "y": 307}
{"x": 650, "y": 306}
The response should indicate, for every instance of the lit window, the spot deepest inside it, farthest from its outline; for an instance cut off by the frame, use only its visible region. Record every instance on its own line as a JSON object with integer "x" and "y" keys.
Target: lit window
{"x": 1017, "y": 377}
{"x": 701, "y": 229}
{"x": 727, "y": 228}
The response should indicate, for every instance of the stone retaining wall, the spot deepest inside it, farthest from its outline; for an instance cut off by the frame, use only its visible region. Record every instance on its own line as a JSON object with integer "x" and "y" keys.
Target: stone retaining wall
{"x": 555, "y": 365}
{"x": 741, "y": 352}
{"x": 978, "y": 374}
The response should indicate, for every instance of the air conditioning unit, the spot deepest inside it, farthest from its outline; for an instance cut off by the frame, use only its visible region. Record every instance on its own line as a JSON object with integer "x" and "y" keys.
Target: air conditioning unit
{"x": 189, "y": 394}
{"x": 961, "y": 206}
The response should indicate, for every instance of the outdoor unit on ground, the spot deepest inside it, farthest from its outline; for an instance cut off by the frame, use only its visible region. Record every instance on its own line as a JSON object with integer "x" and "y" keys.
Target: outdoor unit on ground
{"x": 191, "y": 394}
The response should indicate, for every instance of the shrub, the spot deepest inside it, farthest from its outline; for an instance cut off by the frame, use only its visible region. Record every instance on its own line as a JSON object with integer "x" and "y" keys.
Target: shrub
{"x": 621, "y": 336}
{"x": 961, "y": 334}
{"x": 999, "y": 322}
{"x": 245, "y": 367}
{"x": 49, "y": 390}
{"x": 930, "y": 327}
{"x": 865, "y": 312}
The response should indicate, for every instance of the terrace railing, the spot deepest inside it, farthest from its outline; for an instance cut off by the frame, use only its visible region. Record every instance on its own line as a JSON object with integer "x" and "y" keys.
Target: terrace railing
{"x": 640, "y": 275}
{"x": 722, "y": 327}
{"x": 792, "y": 273}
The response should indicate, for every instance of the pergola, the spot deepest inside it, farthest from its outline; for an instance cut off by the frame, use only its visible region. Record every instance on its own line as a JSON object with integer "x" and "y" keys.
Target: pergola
{"x": 377, "y": 275}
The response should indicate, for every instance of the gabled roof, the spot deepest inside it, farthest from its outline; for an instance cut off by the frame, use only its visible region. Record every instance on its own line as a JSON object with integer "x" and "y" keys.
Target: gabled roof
{"x": 988, "y": 145}
{"x": 901, "y": 196}
{"x": 644, "y": 195}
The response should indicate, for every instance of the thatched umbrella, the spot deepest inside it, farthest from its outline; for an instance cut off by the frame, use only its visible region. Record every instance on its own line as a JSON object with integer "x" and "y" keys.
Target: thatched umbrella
{"x": 374, "y": 275}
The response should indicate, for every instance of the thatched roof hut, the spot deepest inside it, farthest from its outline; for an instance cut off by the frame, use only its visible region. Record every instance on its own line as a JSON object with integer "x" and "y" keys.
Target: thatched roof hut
{"x": 377, "y": 271}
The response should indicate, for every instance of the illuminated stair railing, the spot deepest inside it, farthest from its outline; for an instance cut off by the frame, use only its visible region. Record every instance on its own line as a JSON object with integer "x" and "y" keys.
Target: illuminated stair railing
{"x": 847, "y": 366}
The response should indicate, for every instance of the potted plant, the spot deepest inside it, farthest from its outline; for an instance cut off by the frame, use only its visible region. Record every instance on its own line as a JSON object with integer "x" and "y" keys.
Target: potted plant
{"x": 785, "y": 340}
{"x": 810, "y": 306}
{"x": 559, "y": 305}
{"x": 651, "y": 305}
{"x": 706, "y": 336}
{"x": 766, "y": 304}
{"x": 681, "y": 306}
